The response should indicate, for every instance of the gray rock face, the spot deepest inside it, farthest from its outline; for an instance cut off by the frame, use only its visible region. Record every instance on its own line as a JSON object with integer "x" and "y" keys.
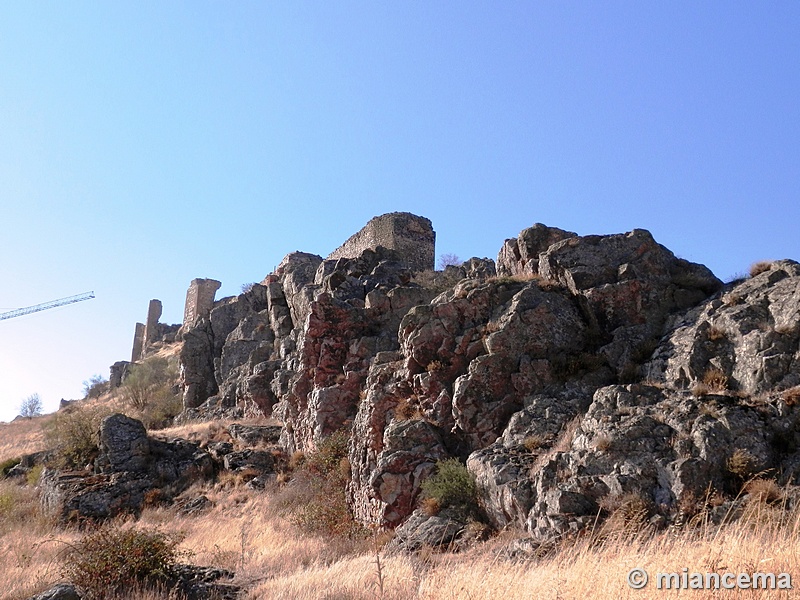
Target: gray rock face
{"x": 124, "y": 445}
{"x": 520, "y": 256}
{"x": 253, "y": 435}
{"x": 749, "y": 336}
{"x": 663, "y": 446}
{"x": 421, "y": 530}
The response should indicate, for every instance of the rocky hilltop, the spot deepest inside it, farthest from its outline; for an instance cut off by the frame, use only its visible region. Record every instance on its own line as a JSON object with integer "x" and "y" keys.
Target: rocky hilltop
{"x": 571, "y": 375}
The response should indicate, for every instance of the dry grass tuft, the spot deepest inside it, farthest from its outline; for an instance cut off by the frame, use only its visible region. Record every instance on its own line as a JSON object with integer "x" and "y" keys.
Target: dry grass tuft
{"x": 792, "y": 396}
{"x": 760, "y": 267}
{"x": 765, "y": 491}
{"x": 716, "y": 333}
{"x": 741, "y": 464}
{"x": 535, "y": 442}
{"x": 602, "y": 443}
{"x": 715, "y": 379}
{"x": 246, "y": 532}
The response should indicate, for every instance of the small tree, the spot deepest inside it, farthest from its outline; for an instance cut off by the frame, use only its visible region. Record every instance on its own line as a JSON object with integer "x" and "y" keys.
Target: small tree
{"x": 31, "y": 406}
{"x": 94, "y": 387}
{"x": 449, "y": 260}
{"x": 148, "y": 381}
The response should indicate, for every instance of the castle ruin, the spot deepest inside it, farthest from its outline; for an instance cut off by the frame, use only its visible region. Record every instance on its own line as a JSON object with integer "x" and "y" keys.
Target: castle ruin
{"x": 411, "y": 236}
{"x": 138, "y": 342}
{"x": 199, "y": 300}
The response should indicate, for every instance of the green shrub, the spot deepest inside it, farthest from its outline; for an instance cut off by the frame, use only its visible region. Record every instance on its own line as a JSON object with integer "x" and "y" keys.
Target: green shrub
{"x": 161, "y": 411}
{"x": 149, "y": 381}
{"x": 452, "y": 487}
{"x": 7, "y": 503}
{"x": 73, "y": 435}
{"x": 150, "y": 390}
{"x": 111, "y": 561}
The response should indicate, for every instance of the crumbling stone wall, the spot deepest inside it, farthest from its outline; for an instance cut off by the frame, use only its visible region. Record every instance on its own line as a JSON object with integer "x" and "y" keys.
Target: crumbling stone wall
{"x": 412, "y": 236}
{"x": 138, "y": 342}
{"x": 151, "y": 329}
{"x": 199, "y": 300}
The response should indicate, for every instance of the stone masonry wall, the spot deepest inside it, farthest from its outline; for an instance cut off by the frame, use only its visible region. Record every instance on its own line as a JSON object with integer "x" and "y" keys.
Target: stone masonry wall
{"x": 199, "y": 300}
{"x": 138, "y": 342}
{"x": 412, "y": 236}
{"x": 151, "y": 329}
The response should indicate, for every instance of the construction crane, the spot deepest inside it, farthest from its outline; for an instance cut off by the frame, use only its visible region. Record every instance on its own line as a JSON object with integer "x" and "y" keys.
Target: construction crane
{"x": 44, "y": 306}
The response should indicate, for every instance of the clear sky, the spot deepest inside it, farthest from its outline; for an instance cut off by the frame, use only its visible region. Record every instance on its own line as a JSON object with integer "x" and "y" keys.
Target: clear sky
{"x": 145, "y": 144}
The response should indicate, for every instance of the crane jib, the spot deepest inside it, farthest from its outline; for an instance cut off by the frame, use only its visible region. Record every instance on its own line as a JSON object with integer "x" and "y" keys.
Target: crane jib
{"x": 46, "y": 305}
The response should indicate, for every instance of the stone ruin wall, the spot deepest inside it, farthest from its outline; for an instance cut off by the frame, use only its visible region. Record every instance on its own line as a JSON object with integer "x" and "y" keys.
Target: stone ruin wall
{"x": 151, "y": 329}
{"x": 412, "y": 236}
{"x": 138, "y": 342}
{"x": 199, "y": 300}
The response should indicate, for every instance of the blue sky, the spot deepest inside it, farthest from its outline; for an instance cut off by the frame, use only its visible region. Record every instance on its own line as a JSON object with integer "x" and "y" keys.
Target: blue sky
{"x": 146, "y": 144}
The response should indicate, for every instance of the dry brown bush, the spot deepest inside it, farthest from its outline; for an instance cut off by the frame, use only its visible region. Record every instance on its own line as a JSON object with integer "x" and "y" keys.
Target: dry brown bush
{"x": 760, "y": 267}
{"x": 766, "y": 491}
{"x": 715, "y": 380}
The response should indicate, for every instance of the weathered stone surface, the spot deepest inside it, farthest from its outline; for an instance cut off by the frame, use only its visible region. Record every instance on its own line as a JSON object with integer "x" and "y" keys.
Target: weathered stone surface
{"x": 249, "y": 459}
{"x": 629, "y": 283}
{"x": 520, "y": 256}
{"x": 138, "y": 342}
{"x": 253, "y": 435}
{"x": 197, "y": 365}
{"x": 28, "y": 461}
{"x": 124, "y": 445}
{"x": 202, "y": 583}
{"x": 513, "y": 372}
{"x": 663, "y": 446}
{"x": 502, "y": 470}
{"x": 194, "y": 505}
{"x": 199, "y": 300}
{"x": 296, "y": 272}
{"x": 421, "y": 530}
{"x": 118, "y": 373}
{"x": 749, "y": 335}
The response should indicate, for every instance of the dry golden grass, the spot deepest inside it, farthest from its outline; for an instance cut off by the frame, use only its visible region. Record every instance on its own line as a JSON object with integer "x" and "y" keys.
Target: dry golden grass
{"x": 245, "y": 532}
{"x": 23, "y": 436}
{"x": 209, "y": 431}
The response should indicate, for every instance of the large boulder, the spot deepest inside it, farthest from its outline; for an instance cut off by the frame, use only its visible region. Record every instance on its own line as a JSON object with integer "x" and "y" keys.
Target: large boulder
{"x": 520, "y": 256}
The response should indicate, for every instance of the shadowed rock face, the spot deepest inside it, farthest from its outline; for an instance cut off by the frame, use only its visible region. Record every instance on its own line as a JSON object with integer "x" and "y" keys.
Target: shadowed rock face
{"x": 533, "y": 377}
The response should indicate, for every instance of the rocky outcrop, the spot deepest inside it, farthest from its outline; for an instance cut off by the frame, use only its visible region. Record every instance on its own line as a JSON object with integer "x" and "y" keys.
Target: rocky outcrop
{"x": 661, "y": 446}
{"x": 427, "y": 531}
{"x": 534, "y": 376}
{"x": 130, "y": 465}
{"x": 520, "y": 256}
{"x": 746, "y": 339}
